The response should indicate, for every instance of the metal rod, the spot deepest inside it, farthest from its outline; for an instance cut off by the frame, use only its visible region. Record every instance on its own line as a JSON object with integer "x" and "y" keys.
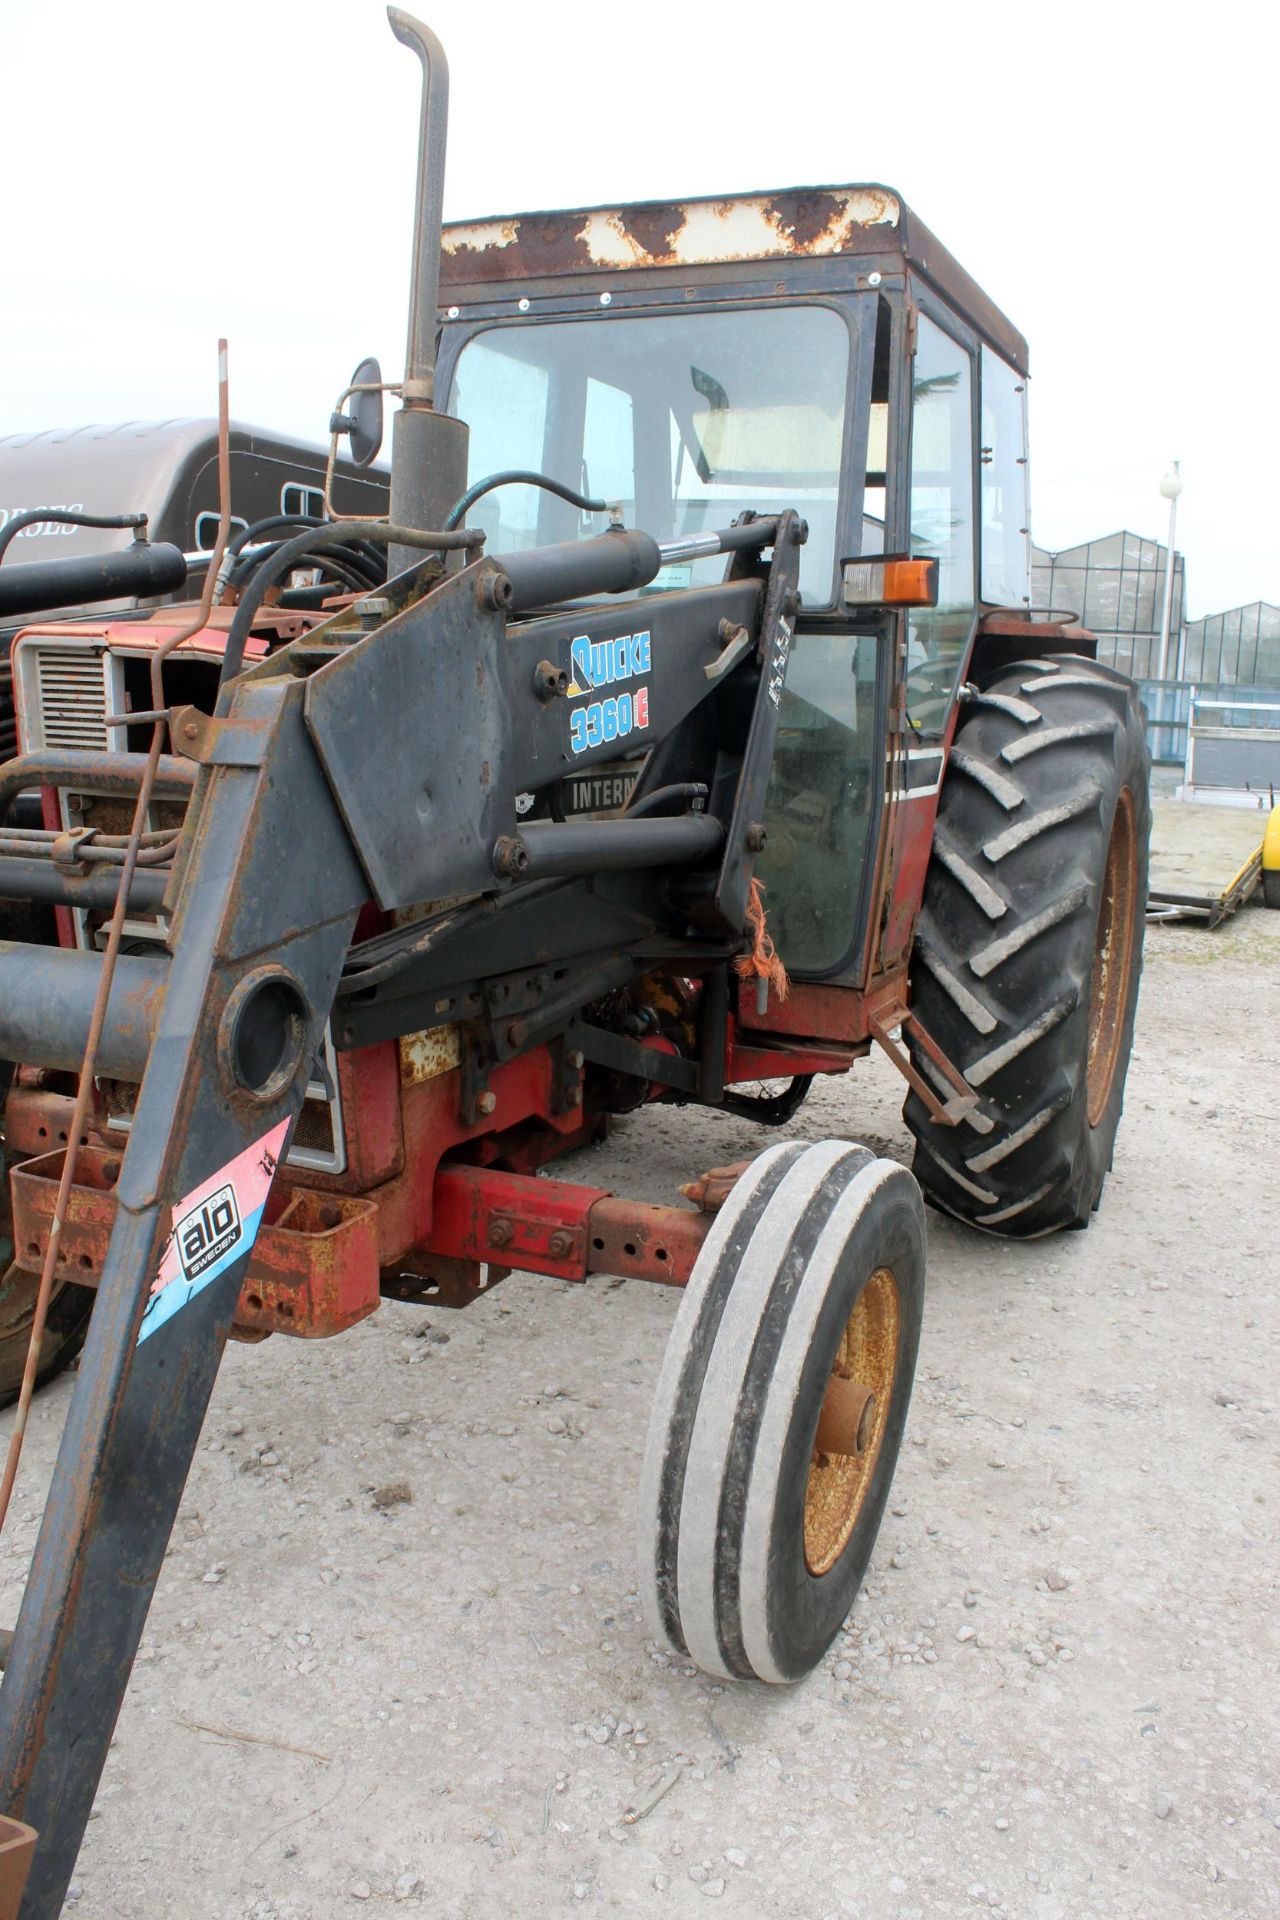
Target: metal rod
{"x": 47, "y": 998}
{"x": 697, "y": 546}
{"x": 57, "y": 887}
{"x": 111, "y": 773}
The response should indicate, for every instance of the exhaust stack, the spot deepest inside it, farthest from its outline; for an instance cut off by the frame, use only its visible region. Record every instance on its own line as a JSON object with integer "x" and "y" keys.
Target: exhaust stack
{"x": 429, "y": 449}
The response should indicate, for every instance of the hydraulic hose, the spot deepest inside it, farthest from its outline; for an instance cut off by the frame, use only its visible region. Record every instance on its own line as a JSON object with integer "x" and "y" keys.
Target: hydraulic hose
{"x": 335, "y": 533}
{"x": 520, "y": 477}
{"x": 65, "y": 517}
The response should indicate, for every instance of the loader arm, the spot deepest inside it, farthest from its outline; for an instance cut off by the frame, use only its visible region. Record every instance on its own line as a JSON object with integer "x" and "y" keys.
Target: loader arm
{"x": 293, "y": 827}
{"x": 259, "y": 941}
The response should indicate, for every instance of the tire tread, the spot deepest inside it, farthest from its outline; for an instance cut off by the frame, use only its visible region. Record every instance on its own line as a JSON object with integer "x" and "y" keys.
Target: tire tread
{"x": 1024, "y": 821}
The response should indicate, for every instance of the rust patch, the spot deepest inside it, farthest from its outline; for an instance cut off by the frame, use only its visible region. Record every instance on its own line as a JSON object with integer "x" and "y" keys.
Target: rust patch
{"x": 806, "y": 221}
{"x": 819, "y": 221}
{"x": 656, "y": 229}
{"x": 711, "y": 1189}
{"x": 17, "y": 1850}
{"x": 426, "y": 1055}
{"x": 314, "y": 1267}
{"x": 636, "y": 1241}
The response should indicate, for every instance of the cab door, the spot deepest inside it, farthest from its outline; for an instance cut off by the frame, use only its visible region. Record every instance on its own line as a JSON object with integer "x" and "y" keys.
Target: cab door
{"x": 934, "y": 642}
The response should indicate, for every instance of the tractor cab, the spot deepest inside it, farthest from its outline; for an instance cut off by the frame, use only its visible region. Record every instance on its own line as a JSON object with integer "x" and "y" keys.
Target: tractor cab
{"x": 698, "y": 362}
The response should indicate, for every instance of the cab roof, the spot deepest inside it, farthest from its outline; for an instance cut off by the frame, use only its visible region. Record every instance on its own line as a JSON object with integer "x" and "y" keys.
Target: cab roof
{"x": 800, "y": 223}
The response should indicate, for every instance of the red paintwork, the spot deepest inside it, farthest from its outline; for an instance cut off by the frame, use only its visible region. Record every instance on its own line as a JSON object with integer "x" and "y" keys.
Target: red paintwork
{"x": 821, "y": 1015}
{"x": 485, "y": 1213}
{"x": 314, "y": 1269}
{"x": 420, "y": 1183}
{"x": 550, "y": 1226}
{"x": 910, "y": 845}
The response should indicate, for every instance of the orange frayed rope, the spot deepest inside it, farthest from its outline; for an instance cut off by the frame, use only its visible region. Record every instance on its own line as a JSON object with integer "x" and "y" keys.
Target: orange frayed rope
{"x": 764, "y": 961}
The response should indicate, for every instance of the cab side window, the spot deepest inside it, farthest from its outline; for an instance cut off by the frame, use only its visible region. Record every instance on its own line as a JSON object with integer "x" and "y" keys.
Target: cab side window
{"x": 941, "y": 518}
{"x": 1005, "y": 506}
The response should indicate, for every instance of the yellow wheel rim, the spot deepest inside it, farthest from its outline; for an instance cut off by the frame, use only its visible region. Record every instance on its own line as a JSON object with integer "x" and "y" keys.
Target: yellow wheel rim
{"x": 852, "y": 1424}
{"x": 1112, "y": 958}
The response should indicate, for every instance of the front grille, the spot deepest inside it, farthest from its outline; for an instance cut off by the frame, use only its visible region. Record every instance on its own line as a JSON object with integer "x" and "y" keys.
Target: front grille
{"x": 65, "y": 693}
{"x": 315, "y": 1142}
{"x": 8, "y": 728}
{"x": 71, "y": 692}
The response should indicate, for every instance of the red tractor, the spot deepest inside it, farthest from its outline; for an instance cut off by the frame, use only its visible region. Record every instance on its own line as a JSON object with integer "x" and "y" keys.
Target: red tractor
{"x": 695, "y": 737}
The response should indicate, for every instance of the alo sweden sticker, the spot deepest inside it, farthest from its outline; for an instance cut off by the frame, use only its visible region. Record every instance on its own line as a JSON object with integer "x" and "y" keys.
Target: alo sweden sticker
{"x": 217, "y": 1223}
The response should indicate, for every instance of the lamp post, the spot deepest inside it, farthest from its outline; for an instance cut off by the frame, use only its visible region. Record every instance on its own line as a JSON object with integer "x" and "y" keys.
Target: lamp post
{"x": 1170, "y": 488}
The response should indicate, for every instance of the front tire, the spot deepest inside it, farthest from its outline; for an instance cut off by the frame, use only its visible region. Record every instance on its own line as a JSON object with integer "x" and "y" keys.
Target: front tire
{"x": 65, "y": 1329}
{"x": 1029, "y": 944}
{"x": 780, "y": 1410}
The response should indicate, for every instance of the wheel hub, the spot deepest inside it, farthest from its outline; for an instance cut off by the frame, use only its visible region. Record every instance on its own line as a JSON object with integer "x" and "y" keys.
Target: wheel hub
{"x": 847, "y": 1420}
{"x": 852, "y": 1422}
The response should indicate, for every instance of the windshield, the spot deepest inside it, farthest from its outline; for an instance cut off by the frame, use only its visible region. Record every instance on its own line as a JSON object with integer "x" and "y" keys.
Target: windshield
{"x": 687, "y": 419}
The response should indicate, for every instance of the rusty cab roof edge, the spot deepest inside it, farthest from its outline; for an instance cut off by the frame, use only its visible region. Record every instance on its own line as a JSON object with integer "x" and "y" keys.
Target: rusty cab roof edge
{"x": 719, "y": 231}
{"x": 926, "y": 253}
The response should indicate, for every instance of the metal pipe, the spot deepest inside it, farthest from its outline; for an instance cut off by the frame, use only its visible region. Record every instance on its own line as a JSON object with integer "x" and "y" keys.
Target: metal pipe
{"x": 54, "y": 886}
{"x": 47, "y": 1001}
{"x": 114, "y": 773}
{"x": 548, "y": 849}
{"x": 428, "y": 216}
{"x": 138, "y": 572}
{"x": 428, "y": 449}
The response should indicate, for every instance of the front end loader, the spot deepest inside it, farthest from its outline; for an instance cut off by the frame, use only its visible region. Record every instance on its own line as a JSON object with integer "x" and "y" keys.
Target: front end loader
{"x": 695, "y": 738}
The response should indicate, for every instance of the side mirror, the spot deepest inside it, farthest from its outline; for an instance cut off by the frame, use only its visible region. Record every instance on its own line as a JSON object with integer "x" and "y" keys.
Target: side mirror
{"x": 363, "y": 423}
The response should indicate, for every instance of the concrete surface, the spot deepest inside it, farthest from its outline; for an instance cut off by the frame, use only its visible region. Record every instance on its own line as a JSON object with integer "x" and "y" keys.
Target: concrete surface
{"x": 1057, "y": 1695}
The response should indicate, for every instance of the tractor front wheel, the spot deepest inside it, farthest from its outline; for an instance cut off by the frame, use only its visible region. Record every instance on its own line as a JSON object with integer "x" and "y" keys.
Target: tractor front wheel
{"x": 780, "y": 1410}
{"x": 65, "y": 1328}
{"x": 1029, "y": 944}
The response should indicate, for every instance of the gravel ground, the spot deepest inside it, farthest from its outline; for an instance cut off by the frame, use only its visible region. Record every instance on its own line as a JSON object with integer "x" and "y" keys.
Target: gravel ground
{"x": 395, "y": 1659}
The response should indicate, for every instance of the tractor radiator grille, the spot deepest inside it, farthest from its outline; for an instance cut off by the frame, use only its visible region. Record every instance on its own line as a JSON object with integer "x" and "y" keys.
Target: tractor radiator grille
{"x": 71, "y": 692}
{"x": 8, "y": 728}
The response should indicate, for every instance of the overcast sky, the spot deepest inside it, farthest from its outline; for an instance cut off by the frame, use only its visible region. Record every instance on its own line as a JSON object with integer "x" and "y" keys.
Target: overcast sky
{"x": 1105, "y": 171}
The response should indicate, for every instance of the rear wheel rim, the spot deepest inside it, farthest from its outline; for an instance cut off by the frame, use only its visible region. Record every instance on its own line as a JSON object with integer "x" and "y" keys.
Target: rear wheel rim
{"x": 1112, "y": 958}
{"x": 838, "y": 1482}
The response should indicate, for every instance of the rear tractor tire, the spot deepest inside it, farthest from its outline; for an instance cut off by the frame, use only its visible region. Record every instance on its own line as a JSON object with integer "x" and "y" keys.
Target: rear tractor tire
{"x": 780, "y": 1410}
{"x": 1029, "y": 944}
